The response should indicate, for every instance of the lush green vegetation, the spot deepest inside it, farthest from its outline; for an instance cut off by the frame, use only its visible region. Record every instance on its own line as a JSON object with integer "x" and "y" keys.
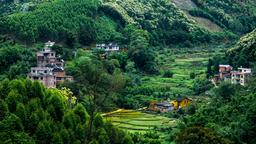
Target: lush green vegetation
{"x": 15, "y": 59}
{"x": 89, "y": 22}
{"x": 243, "y": 53}
{"x": 181, "y": 64}
{"x": 30, "y": 113}
{"x": 67, "y": 21}
{"x": 230, "y": 113}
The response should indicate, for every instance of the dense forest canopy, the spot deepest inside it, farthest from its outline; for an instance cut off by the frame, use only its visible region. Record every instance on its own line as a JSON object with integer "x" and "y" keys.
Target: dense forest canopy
{"x": 243, "y": 52}
{"x": 91, "y": 20}
{"x": 31, "y": 113}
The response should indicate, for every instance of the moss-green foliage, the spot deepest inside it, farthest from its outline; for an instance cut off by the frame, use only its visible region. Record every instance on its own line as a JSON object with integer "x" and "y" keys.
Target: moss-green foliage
{"x": 238, "y": 16}
{"x": 31, "y": 113}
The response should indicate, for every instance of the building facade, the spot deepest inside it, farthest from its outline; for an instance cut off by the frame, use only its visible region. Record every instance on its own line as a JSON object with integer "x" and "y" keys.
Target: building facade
{"x": 50, "y": 69}
{"x": 225, "y": 72}
{"x": 241, "y": 76}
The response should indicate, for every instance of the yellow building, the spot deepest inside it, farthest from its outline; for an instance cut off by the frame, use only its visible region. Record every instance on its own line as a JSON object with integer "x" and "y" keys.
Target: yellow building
{"x": 181, "y": 102}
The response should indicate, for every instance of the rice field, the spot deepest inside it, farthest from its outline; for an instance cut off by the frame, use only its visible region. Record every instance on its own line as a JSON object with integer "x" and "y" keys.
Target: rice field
{"x": 135, "y": 121}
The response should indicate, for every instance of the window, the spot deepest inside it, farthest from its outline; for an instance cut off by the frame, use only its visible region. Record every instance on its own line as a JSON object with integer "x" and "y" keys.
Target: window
{"x": 58, "y": 78}
{"x": 41, "y": 78}
{"x": 52, "y": 54}
{"x": 45, "y": 71}
{"x": 33, "y": 71}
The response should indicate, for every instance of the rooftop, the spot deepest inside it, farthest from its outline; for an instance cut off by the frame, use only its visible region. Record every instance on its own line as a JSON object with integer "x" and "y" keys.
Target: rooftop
{"x": 49, "y": 44}
{"x": 225, "y": 65}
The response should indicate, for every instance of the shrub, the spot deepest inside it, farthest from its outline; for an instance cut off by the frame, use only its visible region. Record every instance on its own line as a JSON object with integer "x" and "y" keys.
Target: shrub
{"x": 192, "y": 75}
{"x": 168, "y": 74}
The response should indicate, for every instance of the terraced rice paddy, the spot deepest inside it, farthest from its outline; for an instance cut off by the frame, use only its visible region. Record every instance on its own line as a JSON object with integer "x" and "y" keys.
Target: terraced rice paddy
{"x": 135, "y": 121}
{"x": 182, "y": 65}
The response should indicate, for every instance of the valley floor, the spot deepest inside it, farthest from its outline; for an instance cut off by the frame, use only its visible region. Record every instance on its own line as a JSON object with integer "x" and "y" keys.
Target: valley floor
{"x": 182, "y": 62}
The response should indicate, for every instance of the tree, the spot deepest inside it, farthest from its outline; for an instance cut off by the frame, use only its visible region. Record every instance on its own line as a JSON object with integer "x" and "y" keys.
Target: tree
{"x": 168, "y": 74}
{"x": 48, "y": 118}
{"x": 225, "y": 90}
{"x": 44, "y": 132}
{"x": 144, "y": 60}
{"x": 3, "y": 109}
{"x": 199, "y": 135}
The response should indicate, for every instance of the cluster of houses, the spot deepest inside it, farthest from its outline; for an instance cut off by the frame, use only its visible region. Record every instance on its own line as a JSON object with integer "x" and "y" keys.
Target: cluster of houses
{"x": 50, "y": 69}
{"x": 164, "y": 107}
{"x": 239, "y": 76}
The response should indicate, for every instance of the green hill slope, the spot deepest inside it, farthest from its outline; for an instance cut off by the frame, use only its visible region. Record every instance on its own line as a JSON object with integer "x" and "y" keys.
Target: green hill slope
{"x": 72, "y": 20}
{"x": 235, "y": 15}
{"x": 88, "y": 22}
{"x": 187, "y": 5}
{"x": 91, "y": 21}
{"x": 244, "y": 52}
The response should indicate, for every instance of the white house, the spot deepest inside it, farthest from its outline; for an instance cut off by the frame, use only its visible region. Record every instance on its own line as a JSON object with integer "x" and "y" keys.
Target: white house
{"x": 108, "y": 47}
{"x": 241, "y": 76}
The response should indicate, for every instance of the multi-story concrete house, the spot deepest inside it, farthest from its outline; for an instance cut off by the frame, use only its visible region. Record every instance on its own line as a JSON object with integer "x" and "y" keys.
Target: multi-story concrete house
{"x": 225, "y": 72}
{"x": 50, "y": 69}
{"x": 241, "y": 76}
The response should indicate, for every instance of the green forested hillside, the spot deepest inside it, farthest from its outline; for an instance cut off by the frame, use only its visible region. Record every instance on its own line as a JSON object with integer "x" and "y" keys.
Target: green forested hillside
{"x": 67, "y": 21}
{"x": 230, "y": 113}
{"x": 87, "y": 22}
{"x": 165, "y": 22}
{"x": 30, "y": 114}
{"x": 243, "y": 53}
{"x": 237, "y": 16}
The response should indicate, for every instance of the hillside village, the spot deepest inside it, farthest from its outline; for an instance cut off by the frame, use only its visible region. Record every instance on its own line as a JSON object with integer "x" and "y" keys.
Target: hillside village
{"x": 50, "y": 68}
